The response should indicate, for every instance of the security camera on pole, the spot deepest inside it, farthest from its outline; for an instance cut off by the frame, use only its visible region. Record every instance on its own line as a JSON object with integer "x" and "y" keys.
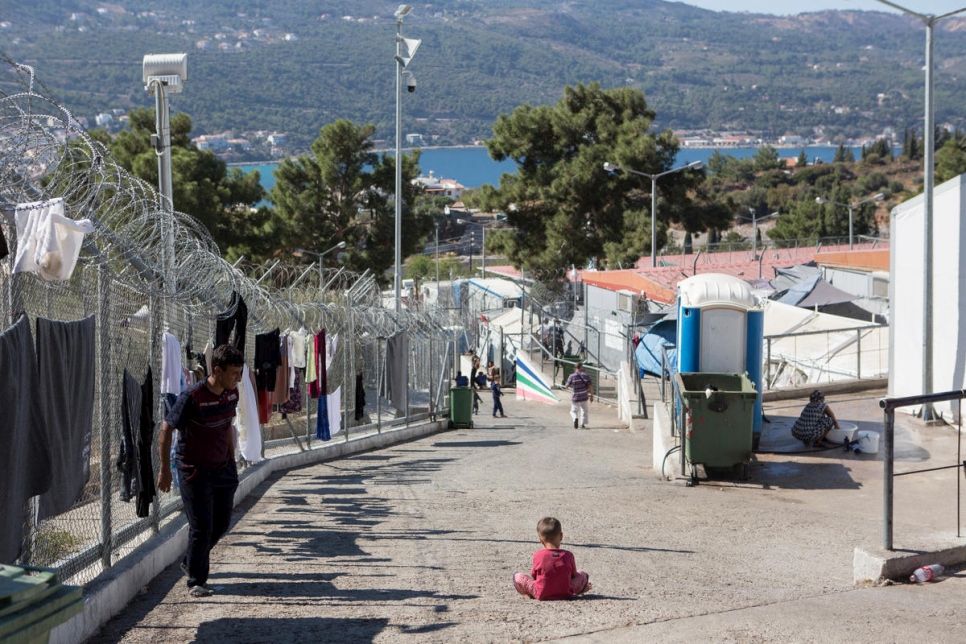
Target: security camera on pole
{"x": 405, "y": 50}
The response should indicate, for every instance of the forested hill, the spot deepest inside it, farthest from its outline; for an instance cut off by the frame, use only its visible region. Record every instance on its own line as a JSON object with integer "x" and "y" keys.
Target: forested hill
{"x": 294, "y": 65}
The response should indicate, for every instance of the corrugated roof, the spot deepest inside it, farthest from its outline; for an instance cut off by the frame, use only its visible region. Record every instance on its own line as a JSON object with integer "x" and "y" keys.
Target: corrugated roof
{"x": 628, "y": 280}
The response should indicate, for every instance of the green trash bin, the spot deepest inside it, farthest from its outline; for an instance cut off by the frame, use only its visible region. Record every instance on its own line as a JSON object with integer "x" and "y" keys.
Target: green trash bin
{"x": 461, "y": 407}
{"x": 33, "y": 602}
{"x": 568, "y": 367}
{"x": 718, "y": 418}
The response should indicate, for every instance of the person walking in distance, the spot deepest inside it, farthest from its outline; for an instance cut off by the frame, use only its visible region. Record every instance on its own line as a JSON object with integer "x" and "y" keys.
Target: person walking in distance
{"x": 205, "y": 460}
{"x": 583, "y": 391}
{"x": 497, "y": 394}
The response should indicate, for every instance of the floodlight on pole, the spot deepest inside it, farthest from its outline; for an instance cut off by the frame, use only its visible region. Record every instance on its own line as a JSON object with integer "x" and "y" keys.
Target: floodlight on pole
{"x": 754, "y": 232}
{"x": 165, "y": 74}
{"x": 929, "y": 135}
{"x": 612, "y": 167}
{"x": 405, "y": 50}
{"x": 483, "y": 260}
{"x": 851, "y": 207}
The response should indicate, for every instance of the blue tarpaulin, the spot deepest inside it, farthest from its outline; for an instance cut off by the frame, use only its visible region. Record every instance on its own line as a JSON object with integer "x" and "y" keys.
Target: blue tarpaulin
{"x": 648, "y": 352}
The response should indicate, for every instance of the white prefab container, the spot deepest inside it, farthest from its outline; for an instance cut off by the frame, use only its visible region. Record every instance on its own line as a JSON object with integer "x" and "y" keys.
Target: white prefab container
{"x": 906, "y": 279}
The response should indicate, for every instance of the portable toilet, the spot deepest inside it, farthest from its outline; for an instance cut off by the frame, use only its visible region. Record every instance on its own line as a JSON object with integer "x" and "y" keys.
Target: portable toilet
{"x": 721, "y": 329}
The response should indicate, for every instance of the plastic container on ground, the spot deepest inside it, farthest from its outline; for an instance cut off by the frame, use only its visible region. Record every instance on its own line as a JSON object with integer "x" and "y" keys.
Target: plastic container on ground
{"x": 868, "y": 442}
{"x": 461, "y": 407}
{"x": 845, "y": 431}
{"x": 926, "y": 573}
{"x": 718, "y": 419}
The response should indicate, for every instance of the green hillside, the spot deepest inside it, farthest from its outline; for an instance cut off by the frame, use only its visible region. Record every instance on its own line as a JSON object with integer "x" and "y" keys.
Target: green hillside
{"x": 292, "y": 66}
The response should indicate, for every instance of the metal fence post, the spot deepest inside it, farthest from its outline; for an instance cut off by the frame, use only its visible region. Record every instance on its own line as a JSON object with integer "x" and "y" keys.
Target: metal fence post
{"x": 887, "y": 472}
{"x": 768, "y": 378}
{"x": 103, "y": 407}
{"x": 858, "y": 354}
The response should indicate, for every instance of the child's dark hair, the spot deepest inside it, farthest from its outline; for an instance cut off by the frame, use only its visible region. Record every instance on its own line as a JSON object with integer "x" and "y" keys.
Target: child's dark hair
{"x": 226, "y": 355}
{"x": 548, "y": 528}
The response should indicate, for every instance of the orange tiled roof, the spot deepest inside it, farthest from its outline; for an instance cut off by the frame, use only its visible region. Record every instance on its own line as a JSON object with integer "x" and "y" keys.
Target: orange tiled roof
{"x": 867, "y": 260}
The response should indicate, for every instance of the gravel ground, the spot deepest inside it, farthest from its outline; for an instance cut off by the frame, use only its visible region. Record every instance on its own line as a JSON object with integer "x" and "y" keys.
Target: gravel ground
{"x": 418, "y": 542}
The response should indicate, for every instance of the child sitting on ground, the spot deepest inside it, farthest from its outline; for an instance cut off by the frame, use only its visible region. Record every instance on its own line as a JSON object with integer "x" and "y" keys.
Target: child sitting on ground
{"x": 554, "y": 574}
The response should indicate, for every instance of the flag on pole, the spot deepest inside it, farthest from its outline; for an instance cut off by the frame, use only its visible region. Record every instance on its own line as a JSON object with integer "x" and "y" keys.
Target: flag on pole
{"x": 531, "y": 385}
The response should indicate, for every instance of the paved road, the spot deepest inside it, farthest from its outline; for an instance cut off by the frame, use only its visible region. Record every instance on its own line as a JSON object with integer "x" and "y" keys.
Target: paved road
{"x": 417, "y": 543}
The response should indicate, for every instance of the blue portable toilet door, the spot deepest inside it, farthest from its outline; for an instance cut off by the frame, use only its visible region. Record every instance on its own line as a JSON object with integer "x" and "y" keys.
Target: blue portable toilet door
{"x": 724, "y": 337}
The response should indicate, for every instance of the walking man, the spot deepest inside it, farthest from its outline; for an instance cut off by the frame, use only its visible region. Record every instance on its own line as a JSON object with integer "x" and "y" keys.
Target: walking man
{"x": 583, "y": 390}
{"x": 205, "y": 460}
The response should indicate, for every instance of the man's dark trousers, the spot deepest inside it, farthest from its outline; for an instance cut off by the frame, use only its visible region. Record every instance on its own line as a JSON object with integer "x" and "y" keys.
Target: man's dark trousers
{"x": 208, "y": 496}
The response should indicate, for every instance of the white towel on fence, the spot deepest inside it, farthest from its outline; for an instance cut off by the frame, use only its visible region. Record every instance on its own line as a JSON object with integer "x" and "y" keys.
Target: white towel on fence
{"x": 48, "y": 242}
{"x": 248, "y": 430}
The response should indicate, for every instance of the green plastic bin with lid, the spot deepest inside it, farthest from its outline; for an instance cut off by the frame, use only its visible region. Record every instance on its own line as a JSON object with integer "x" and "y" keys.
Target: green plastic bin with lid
{"x": 461, "y": 407}
{"x": 33, "y": 602}
{"x": 718, "y": 418}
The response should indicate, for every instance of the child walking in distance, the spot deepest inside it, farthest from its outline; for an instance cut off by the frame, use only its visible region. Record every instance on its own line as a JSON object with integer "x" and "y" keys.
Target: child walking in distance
{"x": 554, "y": 573}
{"x": 497, "y": 405}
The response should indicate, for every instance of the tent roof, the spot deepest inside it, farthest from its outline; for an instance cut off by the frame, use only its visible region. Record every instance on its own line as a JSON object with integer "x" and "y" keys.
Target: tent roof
{"x": 824, "y": 294}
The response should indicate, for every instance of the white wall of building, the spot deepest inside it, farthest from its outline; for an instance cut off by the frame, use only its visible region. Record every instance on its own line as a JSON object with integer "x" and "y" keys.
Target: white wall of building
{"x": 949, "y": 294}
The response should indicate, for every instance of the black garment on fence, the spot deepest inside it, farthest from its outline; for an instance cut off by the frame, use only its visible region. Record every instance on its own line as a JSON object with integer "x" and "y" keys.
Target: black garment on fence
{"x": 267, "y": 359}
{"x": 397, "y": 354}
{"x": 65, "y": 383}
{"x": 24, "y": 459}
{"x": 360, "y": 397}
{"x": 4, "y": 251}
{"x": 137, "y": 432}
{"x": 238, "y": 320}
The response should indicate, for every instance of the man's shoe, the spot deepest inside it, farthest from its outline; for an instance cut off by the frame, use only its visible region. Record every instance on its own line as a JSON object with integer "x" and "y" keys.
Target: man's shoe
{"x": 575, "y": 423}
{"x": 200, "y": 591}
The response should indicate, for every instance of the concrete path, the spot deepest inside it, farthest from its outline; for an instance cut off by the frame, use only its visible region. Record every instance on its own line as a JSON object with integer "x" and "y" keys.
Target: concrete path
{"x": 418, "y": 542}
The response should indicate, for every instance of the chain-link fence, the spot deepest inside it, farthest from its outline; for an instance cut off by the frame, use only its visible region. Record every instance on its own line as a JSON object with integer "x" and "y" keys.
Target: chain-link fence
{"x": 136, "y": 289}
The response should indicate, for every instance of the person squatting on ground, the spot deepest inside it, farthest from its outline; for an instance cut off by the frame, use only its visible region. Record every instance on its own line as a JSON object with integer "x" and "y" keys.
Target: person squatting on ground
{"x": 815, "y": 421}
{"x": 497, "y": 394}
{"x": 205, "y": 460}
{"x": 554, "y": 573}
{"x": 583, "y": 390}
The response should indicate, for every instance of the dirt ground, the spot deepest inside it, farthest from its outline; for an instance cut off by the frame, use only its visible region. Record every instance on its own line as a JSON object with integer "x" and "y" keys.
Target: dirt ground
{"x": 418, "y": 542}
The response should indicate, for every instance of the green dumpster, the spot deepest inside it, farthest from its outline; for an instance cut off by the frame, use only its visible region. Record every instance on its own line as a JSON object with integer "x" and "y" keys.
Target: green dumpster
{"x": 717, "y": 419}
{"x": 461, "y": 407}
{"x": 33, "y": 602}
{"x": 568, "y": 367}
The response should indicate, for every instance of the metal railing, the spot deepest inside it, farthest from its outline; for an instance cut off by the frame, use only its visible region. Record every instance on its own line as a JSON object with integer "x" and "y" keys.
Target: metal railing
{"x": 840, "y": 356}
{"x": 889, "y": 406}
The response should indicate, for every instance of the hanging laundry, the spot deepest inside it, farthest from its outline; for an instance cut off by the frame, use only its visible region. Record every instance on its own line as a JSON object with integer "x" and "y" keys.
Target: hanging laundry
{"x": 267, "y": 360}
{"x": 24, "y": 459}
{"x": 137, "y": 430}
{"x": 397, "y": 355}
{"x": 65, "y": 373}
{"x": 294, "y": 403}
{"x": 297, "y": 349}
{"x": 360, "y": 397}
{"x": 313, "y": 369}
{"x": 171, "y": 370}
{"x": 48, "y": 242}
{"x": 282, "y": 378}
{"x": 334, "y": 403}
{"x": 234, "y": 318}
{"x": 247, "y": 426}
{"x": 322, "y": 410}
{"x": 4, "y": 251}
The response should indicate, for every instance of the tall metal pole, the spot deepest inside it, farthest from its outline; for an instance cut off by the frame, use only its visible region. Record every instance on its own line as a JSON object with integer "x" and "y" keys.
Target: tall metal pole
{"x": 397, "y": 278}
{"x": 483, "y": 266}
{"x": 850, "y": 226}
{"x": 437, "y": 264}
{"x": 653, "y": 221}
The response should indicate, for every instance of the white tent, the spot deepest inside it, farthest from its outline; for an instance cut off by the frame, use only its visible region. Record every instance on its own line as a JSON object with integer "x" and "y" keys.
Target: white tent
{"x": 948, "y": 294}
{"x": 805, "y": 347}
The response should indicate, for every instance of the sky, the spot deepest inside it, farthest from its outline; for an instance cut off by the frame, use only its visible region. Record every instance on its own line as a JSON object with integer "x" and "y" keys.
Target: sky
{"x": 934, "y": 7}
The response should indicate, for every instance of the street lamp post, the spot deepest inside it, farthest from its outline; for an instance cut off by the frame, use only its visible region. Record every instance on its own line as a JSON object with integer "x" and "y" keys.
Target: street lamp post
{"x": 298, "y": 252}
{"x": 851, "y": 207}
{"x": 928, "y": 141}
{"x": 694, "y": 165}
{"x": 437, "y": 263}
{"x": 754, "y": 232}
{"x": 483, "y": 260}
{"x": 405, "y": 50}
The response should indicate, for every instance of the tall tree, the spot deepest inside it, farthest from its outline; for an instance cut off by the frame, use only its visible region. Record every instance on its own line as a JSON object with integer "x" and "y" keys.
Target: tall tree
{"x": 203, "y": 187}
{"x": 566, "y": 207}
{"x": 343, "y": 191}
{"x": 951, "y": 159}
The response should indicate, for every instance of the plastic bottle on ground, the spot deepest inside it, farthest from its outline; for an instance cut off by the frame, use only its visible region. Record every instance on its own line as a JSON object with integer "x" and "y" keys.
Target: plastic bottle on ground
{"x": 926, "y": 573}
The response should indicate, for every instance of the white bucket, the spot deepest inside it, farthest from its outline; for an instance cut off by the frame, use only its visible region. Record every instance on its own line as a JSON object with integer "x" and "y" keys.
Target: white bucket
{"x": 838, "y": 436}
{"x": 868, "y": 442}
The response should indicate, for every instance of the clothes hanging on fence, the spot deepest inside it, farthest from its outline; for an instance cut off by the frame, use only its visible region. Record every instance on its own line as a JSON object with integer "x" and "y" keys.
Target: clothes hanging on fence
{"x": 322, "y": 411}
{"x": 235, "y": 318}
{"x": 283, "y": 378}
{"x": 137, "y": 432}
{"x": 360, "y": 397}
{"x": 267, "y": 360}
{"x": 247, "y": 426}
{"x": 172, "y": 376}
{"x": 4, "y": 251}
{"x": 334, "y": 402}
{"x": 397, "y": 354}
{"x": 297, "y": 349}
{"x": 65, "y": 374}
{"x": 24, "y": 459}
{"x": 294, "y": 403}
{"x": 48, "y": 242}
{"x": 312, "y": 369}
